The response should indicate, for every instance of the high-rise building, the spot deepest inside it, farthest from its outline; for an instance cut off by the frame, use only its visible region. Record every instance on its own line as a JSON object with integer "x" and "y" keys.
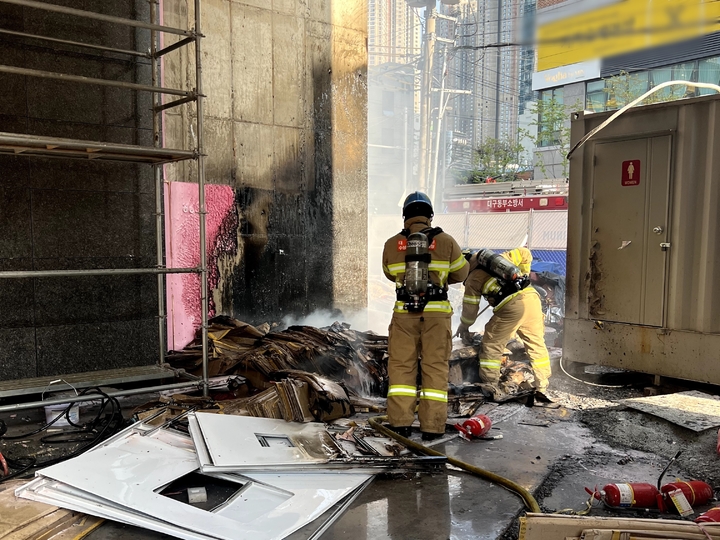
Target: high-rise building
{"x": 486, "y": 62}
{"x": 395, "y": 48}
{"x": 394, "y": 32}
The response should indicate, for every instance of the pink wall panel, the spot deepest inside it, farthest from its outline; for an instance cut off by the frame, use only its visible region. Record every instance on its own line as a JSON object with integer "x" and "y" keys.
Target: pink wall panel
{"x": 182, "y": 243}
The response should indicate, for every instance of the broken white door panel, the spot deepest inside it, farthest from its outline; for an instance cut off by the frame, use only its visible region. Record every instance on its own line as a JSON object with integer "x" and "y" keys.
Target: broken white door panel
{"x": 236, "y": 443}
{"x": 48, "y": 491}
{"x": 56, "y": 493}
{"x": 133, "y": 470}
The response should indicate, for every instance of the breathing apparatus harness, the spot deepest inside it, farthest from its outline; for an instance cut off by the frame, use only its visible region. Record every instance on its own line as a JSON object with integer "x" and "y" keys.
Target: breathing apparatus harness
{"x": 510, "y": 278}
{"x": 418, "y": 289}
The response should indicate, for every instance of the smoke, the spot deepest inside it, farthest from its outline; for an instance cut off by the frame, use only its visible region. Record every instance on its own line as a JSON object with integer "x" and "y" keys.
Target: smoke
{"x": 362, "y": 320}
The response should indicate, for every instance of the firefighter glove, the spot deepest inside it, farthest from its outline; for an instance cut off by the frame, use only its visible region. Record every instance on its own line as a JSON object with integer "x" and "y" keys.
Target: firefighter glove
{"x": 464, "y": 332}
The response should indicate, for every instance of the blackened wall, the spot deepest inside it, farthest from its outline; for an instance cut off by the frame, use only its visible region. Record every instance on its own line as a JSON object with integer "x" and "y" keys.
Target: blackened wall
{"x": 73, "y": 214}
{"x": 286, "y": 128}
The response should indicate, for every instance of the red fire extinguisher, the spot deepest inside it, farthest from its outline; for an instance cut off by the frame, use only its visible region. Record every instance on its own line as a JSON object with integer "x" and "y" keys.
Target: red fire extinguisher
{"x": 695, "y": 491}
{"x": 627, "y": 495}
{"x": 477, "y": 426}
{"x": 711, "y": 516}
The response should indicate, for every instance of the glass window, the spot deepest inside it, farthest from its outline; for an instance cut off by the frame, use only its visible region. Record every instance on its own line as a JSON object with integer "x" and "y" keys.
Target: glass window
{"x": 596, "y": 96}
{"x": 659, "y": 76}
{"x": 550, "y": 124}
{"x": 684, "y": 72}
{"x": 708, "y": 72}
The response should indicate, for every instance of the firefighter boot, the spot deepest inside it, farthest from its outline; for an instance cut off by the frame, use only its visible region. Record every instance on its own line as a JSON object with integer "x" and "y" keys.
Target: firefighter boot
{"x": 431, "y": 436}
{"x": 404, "y": 431}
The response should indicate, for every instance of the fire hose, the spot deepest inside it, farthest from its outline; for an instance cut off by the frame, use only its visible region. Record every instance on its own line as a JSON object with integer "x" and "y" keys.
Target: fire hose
{"x": 524, "y": 494}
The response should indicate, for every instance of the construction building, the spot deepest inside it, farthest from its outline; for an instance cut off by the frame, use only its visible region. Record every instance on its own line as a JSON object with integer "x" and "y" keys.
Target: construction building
{"x": 113, "y": 119}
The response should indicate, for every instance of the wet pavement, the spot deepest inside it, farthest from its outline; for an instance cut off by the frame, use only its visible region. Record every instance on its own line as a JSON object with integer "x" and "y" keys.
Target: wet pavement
{"x": 455, "y": 504}
{"x": 554, "y": 454}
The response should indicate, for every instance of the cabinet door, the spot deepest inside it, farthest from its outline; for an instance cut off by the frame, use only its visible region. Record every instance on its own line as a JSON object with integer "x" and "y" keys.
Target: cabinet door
{"x": 631, "y": 180}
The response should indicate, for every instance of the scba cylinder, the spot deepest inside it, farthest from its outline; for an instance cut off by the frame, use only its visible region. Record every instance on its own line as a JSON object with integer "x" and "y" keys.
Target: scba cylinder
{"x": 498, "y": 265}
{"x": 416, "y": 264}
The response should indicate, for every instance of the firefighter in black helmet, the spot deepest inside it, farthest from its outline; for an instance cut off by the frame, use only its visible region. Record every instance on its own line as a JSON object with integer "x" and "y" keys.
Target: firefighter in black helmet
{"x": 422, "y": 261}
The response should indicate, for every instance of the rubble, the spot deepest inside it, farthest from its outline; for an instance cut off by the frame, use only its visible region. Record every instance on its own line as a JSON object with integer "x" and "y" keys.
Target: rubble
{"x": 326, "y": 371}
{"x": 156, "y": 476}
{"x": 357, "y": 359}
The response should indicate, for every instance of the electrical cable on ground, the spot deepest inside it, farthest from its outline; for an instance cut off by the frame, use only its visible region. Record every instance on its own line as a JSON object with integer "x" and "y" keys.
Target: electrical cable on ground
{"x": 103, "y": 425}
{"x": 589, "y": 504}
{"x": 524, "y": 494}
{"x": 591, "y": 383}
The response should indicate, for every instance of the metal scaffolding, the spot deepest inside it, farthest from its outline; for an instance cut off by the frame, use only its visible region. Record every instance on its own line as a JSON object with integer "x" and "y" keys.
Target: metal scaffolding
{"x": 157, "y": 156}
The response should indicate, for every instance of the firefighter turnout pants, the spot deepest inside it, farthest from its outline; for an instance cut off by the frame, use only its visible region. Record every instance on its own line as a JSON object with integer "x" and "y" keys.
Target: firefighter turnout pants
{"x": 411, "y": 337}
{"x": 523, "y": 314}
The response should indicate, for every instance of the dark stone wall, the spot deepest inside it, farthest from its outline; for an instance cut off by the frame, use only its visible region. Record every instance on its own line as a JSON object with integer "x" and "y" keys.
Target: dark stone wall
{"x": 73, "y": 214}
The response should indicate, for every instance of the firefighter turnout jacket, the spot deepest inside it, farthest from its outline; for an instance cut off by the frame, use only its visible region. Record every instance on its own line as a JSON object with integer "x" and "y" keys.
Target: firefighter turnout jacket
{"x": 519, "y": 313}
{"x": 447, "y": 265}
{"x": 426, "y": 334}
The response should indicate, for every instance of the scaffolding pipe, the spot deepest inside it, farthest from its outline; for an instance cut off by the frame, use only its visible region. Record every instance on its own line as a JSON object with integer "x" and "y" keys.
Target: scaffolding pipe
{"x": 34, "y": 142}
{"x": 157, "y": 170}
{"x": 19, "y": 274}
{"x": 19, "y": 143}
{"x": 74, "y": 43}
{"x": 174, "y": 46}
{"x": 92, "y": 397}
{"x": 91, "y": 80}
{"x": 171, "y": 104}
{"x": 201, "y": 196}
{"x": 96, "y": 16}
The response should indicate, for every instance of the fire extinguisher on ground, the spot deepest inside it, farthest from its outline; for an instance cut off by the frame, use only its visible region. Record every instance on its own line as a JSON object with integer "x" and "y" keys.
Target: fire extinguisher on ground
{"x": 627, "y": 495}
{"x": 696, "y": 492}
{"x": 477, "y": 426}
{"x": 711, "y": 516}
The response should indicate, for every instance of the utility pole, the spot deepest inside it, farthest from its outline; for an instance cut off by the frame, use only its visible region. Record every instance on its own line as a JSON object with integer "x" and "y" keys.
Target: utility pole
{"x": 438, "y": 127}
{"x": 426, "y": 94}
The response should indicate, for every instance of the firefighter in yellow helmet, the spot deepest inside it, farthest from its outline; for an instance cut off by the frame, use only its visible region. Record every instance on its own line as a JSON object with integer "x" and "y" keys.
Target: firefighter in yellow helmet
{"x": 503, "y": 281}
{"x": 422, "y": 261}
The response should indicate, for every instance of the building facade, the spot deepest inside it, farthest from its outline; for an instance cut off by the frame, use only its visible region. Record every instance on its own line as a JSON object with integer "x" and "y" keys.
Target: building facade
{"x": 394, "y": 32}
{"x": 621, "y": 51}
{"x": 490, "y": 62}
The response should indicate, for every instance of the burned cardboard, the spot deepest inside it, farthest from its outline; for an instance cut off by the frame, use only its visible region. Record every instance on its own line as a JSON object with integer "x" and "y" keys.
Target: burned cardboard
{"x": 358, "y": 359}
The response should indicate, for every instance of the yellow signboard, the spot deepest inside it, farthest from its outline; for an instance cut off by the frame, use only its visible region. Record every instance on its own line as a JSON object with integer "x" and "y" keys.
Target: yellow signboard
{"x": 623, "y": 27}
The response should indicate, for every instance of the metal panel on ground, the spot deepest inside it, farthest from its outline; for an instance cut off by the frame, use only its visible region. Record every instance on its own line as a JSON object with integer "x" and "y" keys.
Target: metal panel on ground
{"x": 498, "y": 231}
{"x": 125, "y": 479}
{"x": 234, "y": 443}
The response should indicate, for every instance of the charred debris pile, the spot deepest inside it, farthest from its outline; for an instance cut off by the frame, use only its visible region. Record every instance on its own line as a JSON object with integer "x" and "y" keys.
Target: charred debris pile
{"x": 305, "y": 373}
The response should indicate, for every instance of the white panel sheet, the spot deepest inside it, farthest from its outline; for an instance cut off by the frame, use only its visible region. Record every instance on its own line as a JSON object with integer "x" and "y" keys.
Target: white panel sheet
{"x": 233, "y": 443}
{"x": 127, "y": 473}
